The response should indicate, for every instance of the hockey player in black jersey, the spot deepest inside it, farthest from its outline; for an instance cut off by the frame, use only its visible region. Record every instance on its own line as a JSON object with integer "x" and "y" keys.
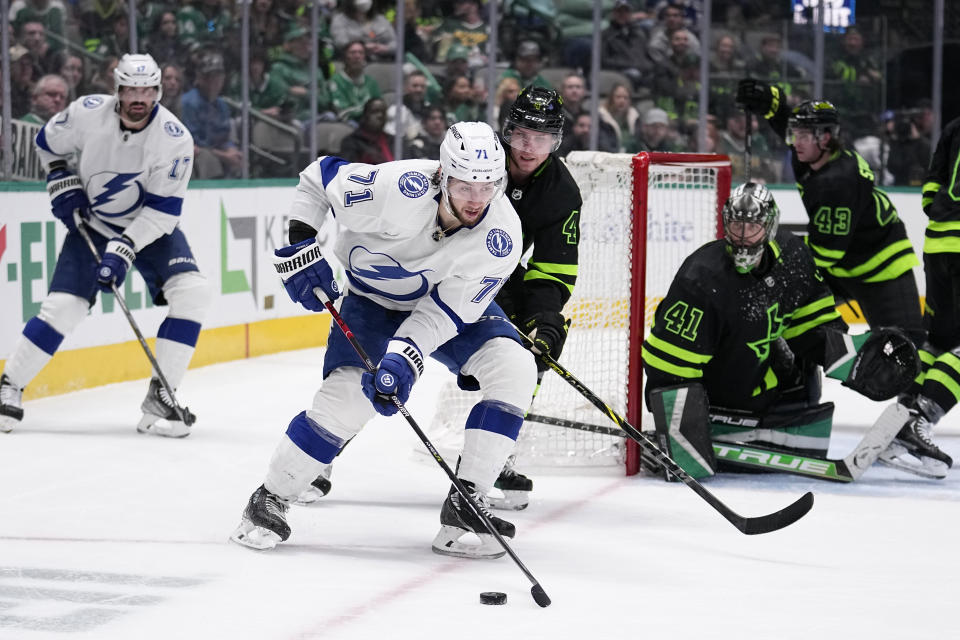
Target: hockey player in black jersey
{"x": 548, "y": 201}
{"x": 739, "y": 310}
{"x": 914, "y": 449}
{"x": 854, "y": 233}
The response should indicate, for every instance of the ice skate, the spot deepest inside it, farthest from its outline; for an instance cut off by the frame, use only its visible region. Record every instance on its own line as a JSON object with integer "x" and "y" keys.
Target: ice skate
{"x": 264, "y": 521}
{"x": 913, "y": 450}
{"x": 457, "y": 520}
{"x": 11, "y": 404}
{"x": 160, "y": 417}
{"x": 318, "y": 488}
{"x": 514, "y": 489}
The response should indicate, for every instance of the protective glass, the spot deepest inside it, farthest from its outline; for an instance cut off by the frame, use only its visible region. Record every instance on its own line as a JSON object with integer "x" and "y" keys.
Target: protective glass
{"x": 741, "y": 233}
{"x": 533, "y": 141}
{"x": 795, "y": 135}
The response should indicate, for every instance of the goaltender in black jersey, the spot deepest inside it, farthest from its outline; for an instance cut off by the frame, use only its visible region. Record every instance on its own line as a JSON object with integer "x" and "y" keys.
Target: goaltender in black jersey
{"x": 738, "y": 316}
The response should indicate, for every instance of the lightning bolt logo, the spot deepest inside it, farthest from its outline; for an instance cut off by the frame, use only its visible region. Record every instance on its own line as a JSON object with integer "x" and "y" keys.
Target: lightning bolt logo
{"x": 114, "y": 191}
{"x": 367, "y": 267}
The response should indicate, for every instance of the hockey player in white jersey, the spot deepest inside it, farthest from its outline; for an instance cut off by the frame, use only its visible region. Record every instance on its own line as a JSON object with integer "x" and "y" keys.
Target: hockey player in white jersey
{"x": 121, "y": 165}
{"x": 426, "y": 246}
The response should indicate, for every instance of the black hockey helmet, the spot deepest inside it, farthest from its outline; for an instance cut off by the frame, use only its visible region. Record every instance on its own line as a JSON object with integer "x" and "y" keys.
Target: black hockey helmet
{"x": 816, "y": 115}
{"x": 750, "y": 221}
{"x": 538, "y": 109}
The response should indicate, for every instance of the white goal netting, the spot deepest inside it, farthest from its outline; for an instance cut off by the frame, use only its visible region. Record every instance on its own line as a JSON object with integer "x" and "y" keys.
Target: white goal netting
{"x": 680, "y": 201}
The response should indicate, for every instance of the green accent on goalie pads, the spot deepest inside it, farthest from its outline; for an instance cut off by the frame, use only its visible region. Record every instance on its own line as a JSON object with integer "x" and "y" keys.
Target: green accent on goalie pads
{"x": 806, "y": 430}
{"x": 680, "y": 417}
{"x": 757, "y": 458}
{"x": 840, "y": 370}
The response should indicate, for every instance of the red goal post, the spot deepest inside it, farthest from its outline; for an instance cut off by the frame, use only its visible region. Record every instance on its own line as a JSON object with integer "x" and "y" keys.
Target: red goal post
{"x": 645, "y": 166}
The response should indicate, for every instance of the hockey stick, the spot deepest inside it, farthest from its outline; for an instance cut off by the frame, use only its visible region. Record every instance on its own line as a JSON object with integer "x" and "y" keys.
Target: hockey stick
{"x": 539, "y": 595}
{"x": 750, "y": 526}
{"x": 573, "y": 424}
{"x": 185, "y": 415}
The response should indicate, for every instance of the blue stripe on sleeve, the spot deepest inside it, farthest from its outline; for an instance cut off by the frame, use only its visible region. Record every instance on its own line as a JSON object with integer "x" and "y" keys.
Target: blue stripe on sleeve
{"x": 168, "y": 204}
{"x": 43, "y": 335}
{"x": 447, "y": 310}
{"x": 179, "y": 330}
{"x": 329, "y": 167}
{"x": 41, "y": 140}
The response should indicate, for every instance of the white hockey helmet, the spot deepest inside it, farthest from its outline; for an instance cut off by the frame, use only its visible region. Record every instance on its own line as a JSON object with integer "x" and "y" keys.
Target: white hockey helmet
{"x": 471, "y": 152}
{"x": 138, "y": 70}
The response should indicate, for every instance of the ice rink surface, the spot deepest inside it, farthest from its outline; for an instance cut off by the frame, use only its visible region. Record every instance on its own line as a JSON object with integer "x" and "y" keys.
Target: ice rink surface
{"x": 108, "y": 534}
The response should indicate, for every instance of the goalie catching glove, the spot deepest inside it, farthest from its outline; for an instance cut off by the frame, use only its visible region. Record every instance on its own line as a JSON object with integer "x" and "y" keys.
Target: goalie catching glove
{"x": 399, "y": 368}
{"x": 303, "y": 268}
{"x": 882, "y": 364}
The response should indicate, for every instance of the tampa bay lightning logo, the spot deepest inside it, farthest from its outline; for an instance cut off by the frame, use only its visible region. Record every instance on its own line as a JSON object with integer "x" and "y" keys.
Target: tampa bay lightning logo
{"x": 413, "y": 184}
{"x": 499, "y": 243}
{"x": 114, "y": 195}
{"x": 92, "y": 102}
{"x": 382, "y": 275}
{"x": 173, "y": 129}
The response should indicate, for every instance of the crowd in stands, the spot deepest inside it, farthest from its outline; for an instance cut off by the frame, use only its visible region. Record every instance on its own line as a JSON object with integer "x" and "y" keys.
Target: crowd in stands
{"x": 66, "y": 48}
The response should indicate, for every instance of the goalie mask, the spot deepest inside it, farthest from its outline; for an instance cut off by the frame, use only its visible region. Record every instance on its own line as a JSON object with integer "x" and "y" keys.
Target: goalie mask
{"x": 472, "y": 165}
{"x": 750, "y": 220}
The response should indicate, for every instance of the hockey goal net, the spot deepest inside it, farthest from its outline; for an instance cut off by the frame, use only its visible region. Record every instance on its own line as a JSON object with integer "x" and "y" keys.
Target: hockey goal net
{"x": 642, "y": 215}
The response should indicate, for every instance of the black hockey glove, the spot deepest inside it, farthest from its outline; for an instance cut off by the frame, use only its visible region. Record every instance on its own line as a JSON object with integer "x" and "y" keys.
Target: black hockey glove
{"x": 548, "y": 330}
{"x": 759, "y": 97}
{"x": 884, "y": 366}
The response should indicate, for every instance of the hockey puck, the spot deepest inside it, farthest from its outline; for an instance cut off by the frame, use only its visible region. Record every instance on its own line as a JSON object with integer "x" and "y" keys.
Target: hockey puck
{"x": 493, "y": 597}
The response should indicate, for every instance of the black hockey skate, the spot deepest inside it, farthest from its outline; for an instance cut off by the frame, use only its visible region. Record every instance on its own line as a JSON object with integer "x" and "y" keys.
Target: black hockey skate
{"x": 264, "y": 521}
{"x": 457, "y": 519}
{"x": 913, "y": 450}
{"x": 515, "y": 487}
{"x": 160, "y": 417}
{"x": 320, "y": 487}
{"x": 11, "y": 404}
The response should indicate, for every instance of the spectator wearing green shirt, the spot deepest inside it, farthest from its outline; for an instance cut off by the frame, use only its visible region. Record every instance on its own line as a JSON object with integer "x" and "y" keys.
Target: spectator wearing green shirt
{"x": 204, "y": 23}
{"x": 50, "y": 13}
{"x": 458, "y": 101}
{"x": 466, "y": 28}
{"x": 292, "y": 68}
{"x": 527, "y": 65}
{"x": 351, "y": 88}
{"x": 268, "y": 93}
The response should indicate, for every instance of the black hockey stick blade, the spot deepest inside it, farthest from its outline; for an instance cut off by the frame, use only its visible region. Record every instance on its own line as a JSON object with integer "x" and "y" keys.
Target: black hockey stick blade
{"x": 750, "y": 526}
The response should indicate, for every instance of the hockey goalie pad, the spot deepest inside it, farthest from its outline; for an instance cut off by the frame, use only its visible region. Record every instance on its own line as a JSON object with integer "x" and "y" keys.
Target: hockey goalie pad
{"x": 885, "y": 364}
{"x": 681, "y": 419}
{"x": 801, "y": 430}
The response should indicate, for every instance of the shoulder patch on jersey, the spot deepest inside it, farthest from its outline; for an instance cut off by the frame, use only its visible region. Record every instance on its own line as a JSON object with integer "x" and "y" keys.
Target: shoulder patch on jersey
{"x": 413, "y": 184}
{"x": 92, "y": 102}
{"x": 499, "y": 243}
{"x": 173, "y": 129}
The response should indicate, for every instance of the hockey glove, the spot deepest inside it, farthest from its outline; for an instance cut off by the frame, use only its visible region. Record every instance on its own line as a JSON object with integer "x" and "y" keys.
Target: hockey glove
{"x": 117, "y": 258}
{"x": 548, "y": 331}
{"x": 66, "y": 195}
{"x": 758, "y": 97}
{"x": 885, "y": 365}
{"x": 302, "y": 268}
{"x": 400, "y": 367}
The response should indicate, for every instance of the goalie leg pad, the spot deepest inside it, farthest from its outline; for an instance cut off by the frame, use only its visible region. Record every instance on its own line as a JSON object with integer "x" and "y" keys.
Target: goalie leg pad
{"x": 681, "y": 419}
{"x": 801, "y": 430}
